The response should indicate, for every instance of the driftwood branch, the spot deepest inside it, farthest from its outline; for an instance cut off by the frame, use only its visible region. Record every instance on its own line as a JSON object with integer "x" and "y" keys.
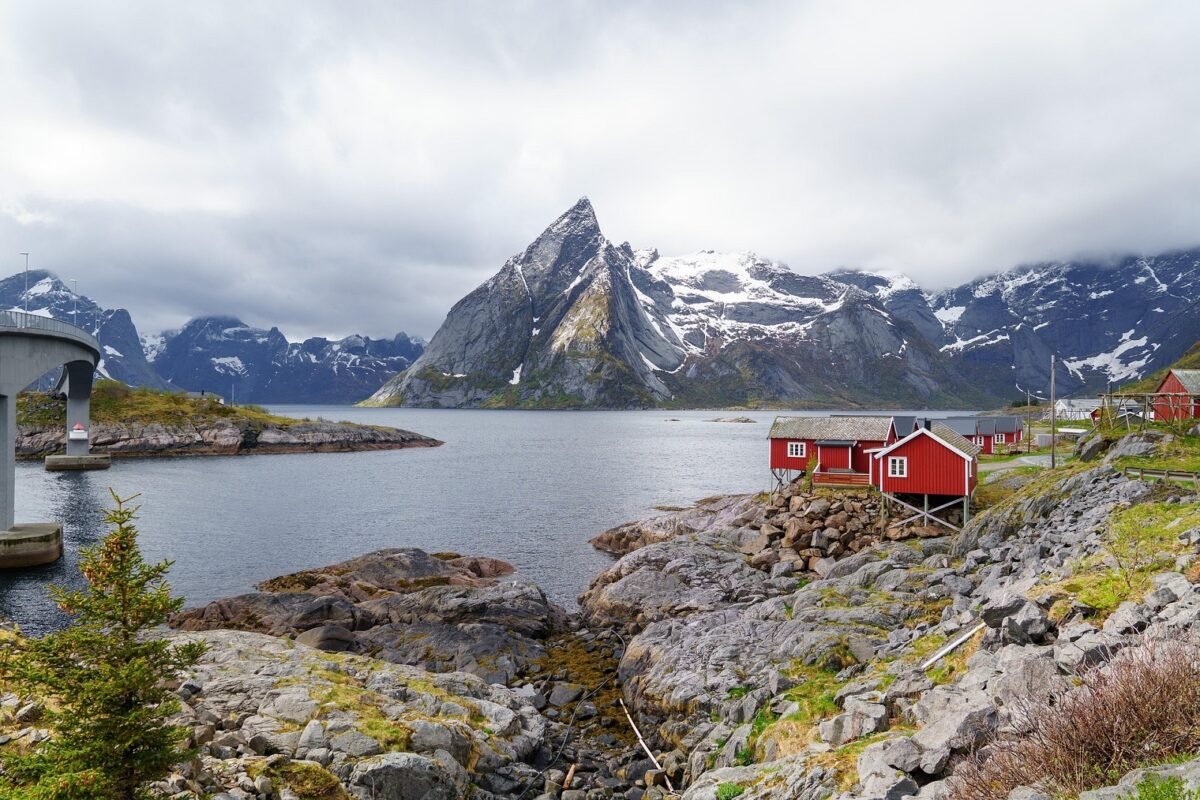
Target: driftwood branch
{"x": 646, "y": 747}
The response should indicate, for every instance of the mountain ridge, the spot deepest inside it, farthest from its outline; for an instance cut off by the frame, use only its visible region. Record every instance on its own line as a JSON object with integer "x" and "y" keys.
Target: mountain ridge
{"x": 604, "y": 325}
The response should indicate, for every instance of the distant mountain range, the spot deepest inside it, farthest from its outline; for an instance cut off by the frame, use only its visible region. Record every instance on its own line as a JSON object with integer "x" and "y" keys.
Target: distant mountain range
{"x": 219, "y": 354}
{"x": 577, "y": 321}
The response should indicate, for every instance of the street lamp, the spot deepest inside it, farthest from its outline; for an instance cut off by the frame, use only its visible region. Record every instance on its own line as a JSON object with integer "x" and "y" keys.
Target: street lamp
{"x": 26, "y": 281}
{"x": 75, "y": 310}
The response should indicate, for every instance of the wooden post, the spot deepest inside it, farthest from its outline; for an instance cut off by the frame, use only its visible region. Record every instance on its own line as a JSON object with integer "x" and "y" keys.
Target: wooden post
{"x": 1053, "y": 420}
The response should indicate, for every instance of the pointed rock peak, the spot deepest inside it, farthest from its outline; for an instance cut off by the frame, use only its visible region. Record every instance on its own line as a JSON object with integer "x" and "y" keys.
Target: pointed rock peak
{"x": 579, "y": 218}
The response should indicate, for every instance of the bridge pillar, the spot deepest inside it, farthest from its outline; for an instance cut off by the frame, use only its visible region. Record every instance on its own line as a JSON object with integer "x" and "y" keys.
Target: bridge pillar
{"x": 79, "y": 394}
{"x": 8, "y": 459}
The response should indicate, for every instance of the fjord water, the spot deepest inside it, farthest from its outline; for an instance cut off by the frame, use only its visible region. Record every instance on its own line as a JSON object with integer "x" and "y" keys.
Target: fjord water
{"x": 528, "y": 487}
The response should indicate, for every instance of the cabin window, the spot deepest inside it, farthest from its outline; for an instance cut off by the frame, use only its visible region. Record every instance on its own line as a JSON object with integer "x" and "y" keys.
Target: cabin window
{"x": 979, "y": 440}
{"x": 897, "y": 467}
{"x": 796, "y": 450}
{"x": 999, "y": 438}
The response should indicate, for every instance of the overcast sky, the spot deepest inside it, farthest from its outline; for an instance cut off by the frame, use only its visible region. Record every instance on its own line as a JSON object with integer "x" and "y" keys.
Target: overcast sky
{"x": 337, "y": 167}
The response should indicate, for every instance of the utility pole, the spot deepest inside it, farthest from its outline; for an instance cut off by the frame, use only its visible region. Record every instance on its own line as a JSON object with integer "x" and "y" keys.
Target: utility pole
{"x": 75, "y": 310}
{"x": 26, "y": 281}
{"x": 1053, "y": 420}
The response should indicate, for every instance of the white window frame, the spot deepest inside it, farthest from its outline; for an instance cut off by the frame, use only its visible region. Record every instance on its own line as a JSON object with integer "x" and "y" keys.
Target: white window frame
{"x": 897, "y": 467}
{"x": 998, "y": 438}
{"x": 797, "y": 450}
{"x": 980, "y": 440}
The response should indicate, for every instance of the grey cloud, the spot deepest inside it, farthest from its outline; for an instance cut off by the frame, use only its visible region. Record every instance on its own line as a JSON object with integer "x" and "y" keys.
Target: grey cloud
{"x": 333, "y": 168}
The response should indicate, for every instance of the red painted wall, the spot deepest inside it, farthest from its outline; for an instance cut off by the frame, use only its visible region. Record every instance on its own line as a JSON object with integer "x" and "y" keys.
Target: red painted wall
{"x": 933, "y": 468}
{"x": 859, "y": 460}
{"x": 834, "y": 457}
{"x": 1169, "y": 408}
{"x": 779, "y": 456}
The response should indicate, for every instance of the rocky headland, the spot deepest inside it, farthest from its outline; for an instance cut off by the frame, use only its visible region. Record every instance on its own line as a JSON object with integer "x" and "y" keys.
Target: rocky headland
{"x": 783, "y": 645}
{"x": 220, "y": 437}
{"x": 128, "y": 422}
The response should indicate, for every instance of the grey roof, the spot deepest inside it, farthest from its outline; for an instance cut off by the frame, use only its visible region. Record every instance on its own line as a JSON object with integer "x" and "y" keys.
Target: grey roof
{"x": 950, "y": 437}
{"x": 841, "y": 428}
{"x": 904, "y": 425}
{"x": 1079, "y": 403}
{"x": 1190, "y": 378}
{"x": 964, "y": 426}
{"x": 1008, "y": 424}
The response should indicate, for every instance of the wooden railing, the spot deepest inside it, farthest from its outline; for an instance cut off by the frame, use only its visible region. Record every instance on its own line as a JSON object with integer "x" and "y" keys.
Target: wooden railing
{"x": 840, "y": 479}
{"x": 1142, "y": 473}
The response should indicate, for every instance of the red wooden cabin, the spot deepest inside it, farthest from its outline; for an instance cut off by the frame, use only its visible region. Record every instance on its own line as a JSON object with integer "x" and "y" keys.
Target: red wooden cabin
{"x": 1183, "y": 402}
{"x": 933, "y": 462}
{"x": 839, "y": 446}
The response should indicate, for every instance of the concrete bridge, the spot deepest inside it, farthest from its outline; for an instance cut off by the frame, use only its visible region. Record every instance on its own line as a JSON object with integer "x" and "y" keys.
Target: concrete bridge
{"x": 31, "y": 346}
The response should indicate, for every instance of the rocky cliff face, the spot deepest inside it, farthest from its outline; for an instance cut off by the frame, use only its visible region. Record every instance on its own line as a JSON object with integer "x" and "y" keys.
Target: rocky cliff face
{"x": 575, "y": 320}
{"x": 122, "y": 357}
{"x": 1107, "y": 323}
{"x": 228, "y": 357}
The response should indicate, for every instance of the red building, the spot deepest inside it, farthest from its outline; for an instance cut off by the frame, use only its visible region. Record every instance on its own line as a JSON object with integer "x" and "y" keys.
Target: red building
{"x": 838, "y": 447}
{"x": 933, "y": 465}
{"x": 1183, "y": 401}
{"x": 989, "y": 434}
{"x": 933, "y": 462}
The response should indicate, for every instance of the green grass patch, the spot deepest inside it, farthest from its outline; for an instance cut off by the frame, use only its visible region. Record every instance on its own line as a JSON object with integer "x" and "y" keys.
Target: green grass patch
{"x": 1140, "y": 542}
{"x": 1181, "y": 453}
{"x": 306, "y": 779}
{"x": 728, "y": 791}
{"x": 115, "y": 402}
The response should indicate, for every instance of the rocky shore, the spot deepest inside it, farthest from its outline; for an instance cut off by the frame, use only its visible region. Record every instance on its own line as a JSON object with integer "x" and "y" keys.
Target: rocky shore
{"x": 787, "y": 645}
{"x": 221, "y": 437}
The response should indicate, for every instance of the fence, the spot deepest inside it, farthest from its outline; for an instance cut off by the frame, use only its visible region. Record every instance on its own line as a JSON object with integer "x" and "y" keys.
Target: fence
{"x": 19, "y": 320}
{"x": 1163, "y": 474}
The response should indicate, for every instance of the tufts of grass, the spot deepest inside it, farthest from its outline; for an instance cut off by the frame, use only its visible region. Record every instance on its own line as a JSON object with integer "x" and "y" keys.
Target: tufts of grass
{"x": 113, "y": 401}
{"x": 729, "y": 791}
{"x": 1140, "y": 542}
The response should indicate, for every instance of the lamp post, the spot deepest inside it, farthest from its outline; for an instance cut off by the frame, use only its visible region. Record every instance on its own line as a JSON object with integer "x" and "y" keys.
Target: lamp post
{"x": 75, "y": 310}
{"x": 26, "y": 281}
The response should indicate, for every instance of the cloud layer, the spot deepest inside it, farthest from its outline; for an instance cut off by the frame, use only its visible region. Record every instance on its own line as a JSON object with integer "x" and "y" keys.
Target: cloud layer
{"x": 335, "y": 168}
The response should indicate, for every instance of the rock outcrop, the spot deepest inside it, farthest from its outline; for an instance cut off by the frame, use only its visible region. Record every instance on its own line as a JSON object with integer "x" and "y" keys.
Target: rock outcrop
{"x": 404, "y": 606}
{"x": 736, "y": 673}
{"x": 222, "y": 437}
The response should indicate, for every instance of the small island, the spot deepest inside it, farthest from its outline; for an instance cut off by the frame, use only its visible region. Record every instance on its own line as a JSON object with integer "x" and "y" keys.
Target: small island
{"x": 128, "y": 422}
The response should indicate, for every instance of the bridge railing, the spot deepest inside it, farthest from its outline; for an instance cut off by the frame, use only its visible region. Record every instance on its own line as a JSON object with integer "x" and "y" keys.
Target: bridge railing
{"x": 20, "y": 320}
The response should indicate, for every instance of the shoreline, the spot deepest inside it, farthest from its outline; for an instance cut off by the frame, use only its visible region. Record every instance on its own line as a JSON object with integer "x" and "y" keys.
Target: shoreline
{"x": 222, "y": 437}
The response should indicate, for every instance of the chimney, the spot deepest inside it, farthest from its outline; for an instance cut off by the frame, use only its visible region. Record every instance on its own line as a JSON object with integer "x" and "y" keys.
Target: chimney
{"x": 927, "y": 424}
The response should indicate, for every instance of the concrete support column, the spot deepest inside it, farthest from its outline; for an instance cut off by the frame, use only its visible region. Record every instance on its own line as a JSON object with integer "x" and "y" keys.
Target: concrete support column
{"x": 8, "y": 459}
{"x": 79, "y": 393}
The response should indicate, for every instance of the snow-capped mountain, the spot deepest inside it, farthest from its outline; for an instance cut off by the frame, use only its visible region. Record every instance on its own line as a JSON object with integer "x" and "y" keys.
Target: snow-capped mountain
{"x": 577, "y": 321}
{"x": 1106, "y": 323}
{"x": 217, "y": 354}
{"x": 121, "y": 356}
{"x": 226, "y": 356}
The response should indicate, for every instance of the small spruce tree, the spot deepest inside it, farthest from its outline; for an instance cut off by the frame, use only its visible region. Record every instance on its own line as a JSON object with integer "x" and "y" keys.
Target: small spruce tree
{"x": 103, "y": 680}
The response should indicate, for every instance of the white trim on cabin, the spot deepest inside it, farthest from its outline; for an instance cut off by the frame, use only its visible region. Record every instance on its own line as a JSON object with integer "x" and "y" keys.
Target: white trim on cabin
{"x": 797, "y": 449}
{"x": 926, "y": 432}
{"x": 897, "y": 466}
{"x": 998, "y": 438}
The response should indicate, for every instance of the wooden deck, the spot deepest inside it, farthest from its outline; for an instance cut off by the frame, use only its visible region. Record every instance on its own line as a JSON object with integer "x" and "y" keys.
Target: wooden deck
{"x": 840, "y": 479}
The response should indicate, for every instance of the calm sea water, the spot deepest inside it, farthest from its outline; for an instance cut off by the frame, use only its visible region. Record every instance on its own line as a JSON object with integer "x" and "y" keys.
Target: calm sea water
{"x": 529, "y": 487}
